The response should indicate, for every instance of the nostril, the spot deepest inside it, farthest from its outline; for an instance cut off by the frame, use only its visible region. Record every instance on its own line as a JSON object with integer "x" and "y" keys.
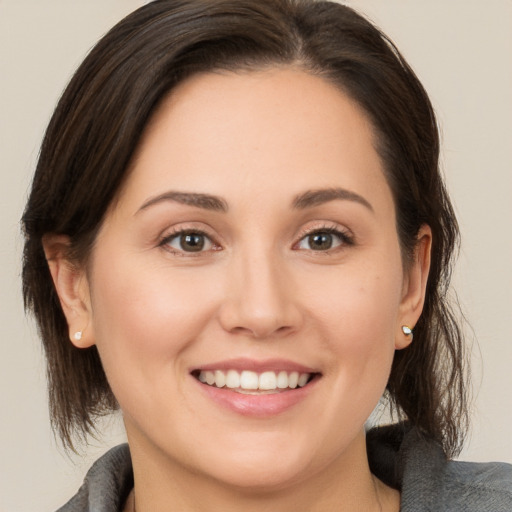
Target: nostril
{"x": 260, "y": 332}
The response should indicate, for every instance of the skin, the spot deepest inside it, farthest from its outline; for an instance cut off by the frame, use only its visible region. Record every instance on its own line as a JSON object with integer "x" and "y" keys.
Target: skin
{"x": 257, "y": 140}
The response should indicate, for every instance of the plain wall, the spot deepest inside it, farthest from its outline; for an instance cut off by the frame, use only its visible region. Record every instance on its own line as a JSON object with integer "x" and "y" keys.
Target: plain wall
{"x": 460, "y": 49}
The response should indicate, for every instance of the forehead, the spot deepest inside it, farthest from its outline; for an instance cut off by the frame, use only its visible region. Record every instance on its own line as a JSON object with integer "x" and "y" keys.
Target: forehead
{"x": 267, "y": 132}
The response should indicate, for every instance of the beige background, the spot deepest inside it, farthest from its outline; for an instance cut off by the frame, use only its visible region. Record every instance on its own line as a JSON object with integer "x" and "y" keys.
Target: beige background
{"x": 461, "y": 49}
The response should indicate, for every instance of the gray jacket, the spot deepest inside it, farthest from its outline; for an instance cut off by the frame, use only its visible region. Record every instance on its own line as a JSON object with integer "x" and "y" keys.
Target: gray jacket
{"x": 399, "y": 456}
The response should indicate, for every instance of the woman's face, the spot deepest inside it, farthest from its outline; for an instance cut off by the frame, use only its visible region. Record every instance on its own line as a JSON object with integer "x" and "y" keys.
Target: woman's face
{"x": 253, "y": 243}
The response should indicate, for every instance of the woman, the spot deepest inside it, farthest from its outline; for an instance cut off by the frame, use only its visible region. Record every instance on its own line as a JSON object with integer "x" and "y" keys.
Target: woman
{"x": 238, "y": 234}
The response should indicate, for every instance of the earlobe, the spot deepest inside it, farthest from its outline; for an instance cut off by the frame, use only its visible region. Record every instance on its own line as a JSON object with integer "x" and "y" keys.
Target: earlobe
{"x": 415, "y": 285}
{"x": 72, "y": 288}
{"x": 405, "y": 338}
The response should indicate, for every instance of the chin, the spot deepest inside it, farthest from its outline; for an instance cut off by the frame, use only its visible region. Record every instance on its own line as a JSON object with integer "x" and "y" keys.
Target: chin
{"x": 259, "y": 465}
{"x": 260, "y": 476}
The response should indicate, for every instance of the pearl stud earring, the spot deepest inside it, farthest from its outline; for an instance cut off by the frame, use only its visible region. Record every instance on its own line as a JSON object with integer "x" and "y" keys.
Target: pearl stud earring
{"x": 407, "y": 331}
{"x": 77, "y": 335}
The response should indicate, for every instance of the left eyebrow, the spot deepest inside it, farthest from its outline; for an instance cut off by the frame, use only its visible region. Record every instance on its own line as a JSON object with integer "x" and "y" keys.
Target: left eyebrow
{"x": 312, "y": 198}
{"x": 205, "y": 201}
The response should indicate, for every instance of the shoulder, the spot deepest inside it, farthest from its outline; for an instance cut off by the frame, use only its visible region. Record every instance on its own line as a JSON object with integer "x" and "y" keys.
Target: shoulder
{"x": 418, "y": 467}
{"x": 106, "y": 485}
{"x": 453, "y": 485}
{"x": 477, "y": 486}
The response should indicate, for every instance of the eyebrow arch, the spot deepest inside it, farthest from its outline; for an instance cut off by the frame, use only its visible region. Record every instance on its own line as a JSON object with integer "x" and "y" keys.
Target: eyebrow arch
{"x": 312, "y": 198}
{"x": 205, "y": 201}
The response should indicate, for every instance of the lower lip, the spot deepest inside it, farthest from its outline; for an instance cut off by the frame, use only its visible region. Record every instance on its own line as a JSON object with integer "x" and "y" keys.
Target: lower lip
{"x": 264, "y": 405}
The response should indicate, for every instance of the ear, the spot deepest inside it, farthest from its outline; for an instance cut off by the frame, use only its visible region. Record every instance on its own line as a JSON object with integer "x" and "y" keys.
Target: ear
{"x": 72, "y": 288}
{"x": 414, "y": 287}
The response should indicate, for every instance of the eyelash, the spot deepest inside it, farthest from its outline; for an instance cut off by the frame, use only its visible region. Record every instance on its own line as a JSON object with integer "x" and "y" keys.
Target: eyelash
{"x": 344, "y": 236}
{"x": 168, "y": 238}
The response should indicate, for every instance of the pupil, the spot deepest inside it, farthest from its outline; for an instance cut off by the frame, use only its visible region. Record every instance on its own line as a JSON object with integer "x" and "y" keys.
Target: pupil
{"x": 320, "y": 241}
{"x": 192, "y": 242}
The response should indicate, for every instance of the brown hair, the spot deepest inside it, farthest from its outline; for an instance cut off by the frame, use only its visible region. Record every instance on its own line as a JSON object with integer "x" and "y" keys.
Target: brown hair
{"x": 102, "y": 114}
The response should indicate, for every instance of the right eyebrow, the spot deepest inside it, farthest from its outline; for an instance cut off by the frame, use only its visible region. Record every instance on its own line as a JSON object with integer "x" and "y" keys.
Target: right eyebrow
{"x": 205, "y": 201}
{"x": 312, "y": 198}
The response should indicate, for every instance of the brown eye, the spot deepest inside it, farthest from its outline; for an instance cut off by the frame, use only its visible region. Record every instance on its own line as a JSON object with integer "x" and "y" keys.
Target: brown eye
{"x": 320, "y": 241}
{"x": 323, "y": 240}
{"x": 189, "y": 241}
{"x": 192, "y": 242}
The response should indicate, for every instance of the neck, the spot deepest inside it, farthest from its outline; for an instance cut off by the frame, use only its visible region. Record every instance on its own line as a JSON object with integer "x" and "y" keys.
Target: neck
{"x": 345, "y": 485}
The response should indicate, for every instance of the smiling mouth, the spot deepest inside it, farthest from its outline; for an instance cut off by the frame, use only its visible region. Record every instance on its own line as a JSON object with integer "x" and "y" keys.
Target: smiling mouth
{"x": 254, "y": 383}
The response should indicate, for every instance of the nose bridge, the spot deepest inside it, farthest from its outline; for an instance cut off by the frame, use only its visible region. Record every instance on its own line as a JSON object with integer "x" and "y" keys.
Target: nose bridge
{"x": 259, "y": 300}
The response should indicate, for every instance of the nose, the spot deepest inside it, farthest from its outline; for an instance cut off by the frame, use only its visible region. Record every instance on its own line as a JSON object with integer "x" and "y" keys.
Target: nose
{"x": 260, "y": 298}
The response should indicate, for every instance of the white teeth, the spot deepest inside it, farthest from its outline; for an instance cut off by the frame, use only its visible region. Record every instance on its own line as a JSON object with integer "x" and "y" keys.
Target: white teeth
{"x": 293, "y": 380}
{"x": 250, "y": 381}
{"x": 232, "y": 379}
{"x": 282, "y": 380}
{"x": 268, "y": 380}
{"x": 220, "y": 379}
{"x": 303, "y": 380}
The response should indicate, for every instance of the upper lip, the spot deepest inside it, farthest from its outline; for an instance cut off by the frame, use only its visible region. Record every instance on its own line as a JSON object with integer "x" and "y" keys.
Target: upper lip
{"x": 256, "y": 365}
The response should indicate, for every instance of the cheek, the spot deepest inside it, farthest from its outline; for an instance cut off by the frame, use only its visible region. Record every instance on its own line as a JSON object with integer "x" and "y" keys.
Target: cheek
{"x": 362, "y": 303}
{"x": 357, "y": 317}
{"x": 143, "y": 316}
{"x": 355, "y": 320}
